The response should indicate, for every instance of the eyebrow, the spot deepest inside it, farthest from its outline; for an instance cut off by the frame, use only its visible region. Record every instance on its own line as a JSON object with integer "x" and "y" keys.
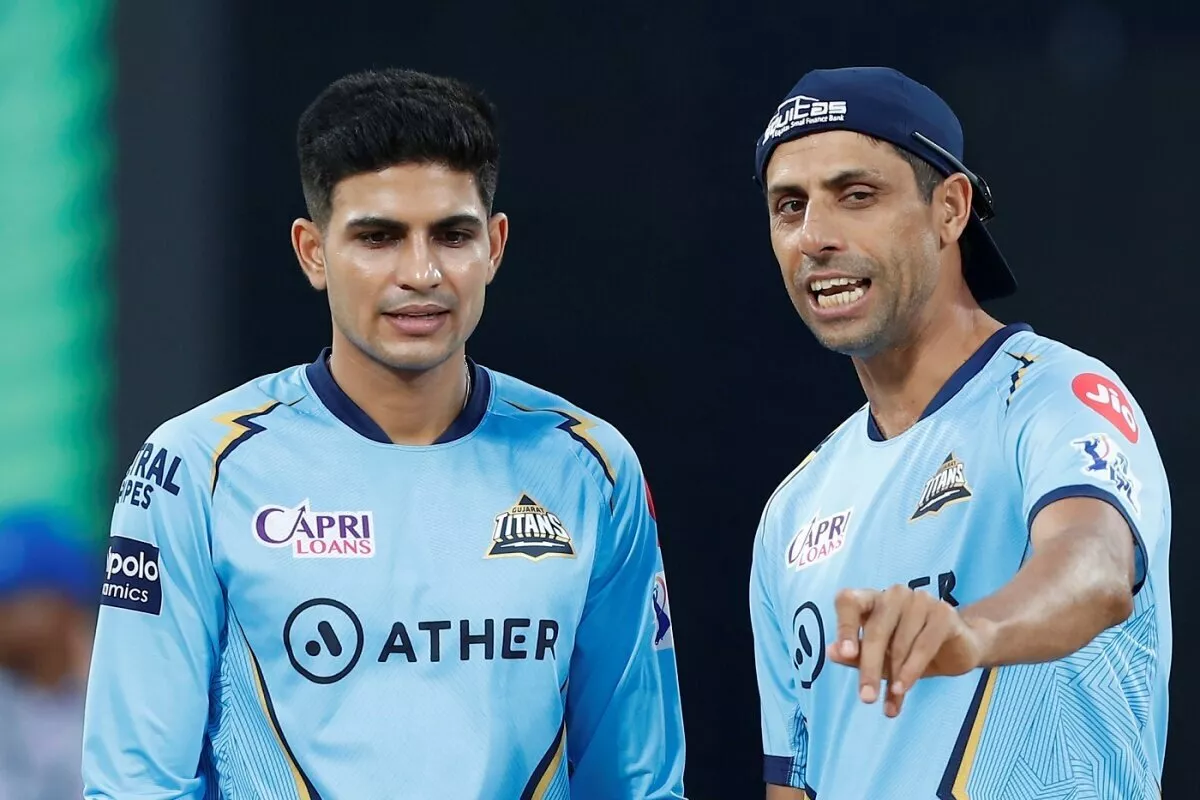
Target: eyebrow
{"x": 840, "y": 180}
{"x": 398, "y": 227}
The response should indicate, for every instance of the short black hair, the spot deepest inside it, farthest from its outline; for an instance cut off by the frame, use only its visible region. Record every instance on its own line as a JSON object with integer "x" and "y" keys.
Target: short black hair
{"x": 369, "y": 121}
{"x": 926, "y": 174}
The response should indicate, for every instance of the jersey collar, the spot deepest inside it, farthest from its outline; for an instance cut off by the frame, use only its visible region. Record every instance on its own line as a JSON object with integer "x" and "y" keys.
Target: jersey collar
{"x": 346, "y": 410}
{"x": 961, "y": 376}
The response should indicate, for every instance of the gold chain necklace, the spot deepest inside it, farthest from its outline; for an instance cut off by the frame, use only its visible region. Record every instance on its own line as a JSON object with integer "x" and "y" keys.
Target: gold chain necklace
{"x": 467, "y": 397}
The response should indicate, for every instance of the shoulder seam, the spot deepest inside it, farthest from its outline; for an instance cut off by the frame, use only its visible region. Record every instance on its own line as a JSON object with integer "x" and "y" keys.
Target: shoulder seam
{"x": 800, "y": 467}
{"x": 576, "y": 426}
{"x": 242, "y": 427}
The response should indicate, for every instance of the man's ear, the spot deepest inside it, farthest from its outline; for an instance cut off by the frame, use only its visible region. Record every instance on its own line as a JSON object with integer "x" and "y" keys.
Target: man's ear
{"x": 952, "y": 203}
{"x": 307, "y": 241}
{"x": 498, "y": 239}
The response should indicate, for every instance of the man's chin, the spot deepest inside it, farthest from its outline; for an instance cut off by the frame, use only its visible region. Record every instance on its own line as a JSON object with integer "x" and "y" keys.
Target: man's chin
{"x": 413, "y": 356}
{"x": 857, "y": 339}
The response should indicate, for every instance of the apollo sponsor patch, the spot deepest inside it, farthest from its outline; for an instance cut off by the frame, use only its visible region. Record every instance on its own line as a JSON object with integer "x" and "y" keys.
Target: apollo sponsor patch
{"x": 818, "y": 539}
{"x": 131, "y": 576}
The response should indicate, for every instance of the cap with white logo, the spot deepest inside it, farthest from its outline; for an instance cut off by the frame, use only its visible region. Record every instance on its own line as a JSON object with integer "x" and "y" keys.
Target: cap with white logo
{"x": 888, "y": 105}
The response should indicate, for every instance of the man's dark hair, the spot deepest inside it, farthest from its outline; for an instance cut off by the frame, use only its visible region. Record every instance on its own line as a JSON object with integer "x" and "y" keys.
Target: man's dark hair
{"x": 927, "y": 176}
{"x": 373, "y": 120}
{"x": 925, "y": 173}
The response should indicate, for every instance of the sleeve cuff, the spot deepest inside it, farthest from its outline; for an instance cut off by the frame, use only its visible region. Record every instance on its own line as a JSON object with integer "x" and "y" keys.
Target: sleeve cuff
{"x": 1140, "y": 556}
{"x": 777, "y": 770}
{"x": 783, "y": 771}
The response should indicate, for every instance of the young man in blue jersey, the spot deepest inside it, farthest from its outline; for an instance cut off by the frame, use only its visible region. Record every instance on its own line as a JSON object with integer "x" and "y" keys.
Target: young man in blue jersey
{"x": 392, "y": 572}
{"x": 962, "y": 591}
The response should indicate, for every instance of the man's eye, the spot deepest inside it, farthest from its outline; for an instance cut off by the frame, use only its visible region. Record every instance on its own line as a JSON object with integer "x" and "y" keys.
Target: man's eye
{"x": 791, "y": 207}
{"x": 375, "y": 238}
{"x": 456, "y": 237}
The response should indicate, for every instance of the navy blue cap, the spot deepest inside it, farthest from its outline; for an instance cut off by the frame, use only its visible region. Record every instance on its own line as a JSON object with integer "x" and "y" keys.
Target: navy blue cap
{"x": 888, "y": 105}
{"x": 42, "y": 550}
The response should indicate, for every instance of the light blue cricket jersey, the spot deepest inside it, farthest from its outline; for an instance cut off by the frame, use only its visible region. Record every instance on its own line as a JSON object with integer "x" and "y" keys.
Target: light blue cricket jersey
{"x": 946, "y": 507}
{"x": 297, "y": 608}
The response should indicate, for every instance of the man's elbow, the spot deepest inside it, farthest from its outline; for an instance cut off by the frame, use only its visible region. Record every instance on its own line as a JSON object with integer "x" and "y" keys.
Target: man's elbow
{"x": 1115, "y": 602}
{"x": 1116, "y": 576}
{"x": 1097, "y": 608}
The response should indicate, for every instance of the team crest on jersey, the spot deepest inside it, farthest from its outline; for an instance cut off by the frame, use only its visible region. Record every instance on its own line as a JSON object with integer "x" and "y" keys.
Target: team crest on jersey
{"x": 528, "y": 529}
{"x": 819, "y": 539}
{"x": 947, "y": 486}
{"x": 663, "y": 636}
{"x": 1103, "y": 459}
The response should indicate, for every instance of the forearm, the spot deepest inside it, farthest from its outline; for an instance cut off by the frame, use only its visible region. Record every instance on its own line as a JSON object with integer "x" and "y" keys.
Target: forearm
{"x": 1070, "y": 590}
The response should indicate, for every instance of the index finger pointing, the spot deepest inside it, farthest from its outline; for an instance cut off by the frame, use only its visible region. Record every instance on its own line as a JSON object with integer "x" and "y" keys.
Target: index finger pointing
{"x": 853, "y": 606}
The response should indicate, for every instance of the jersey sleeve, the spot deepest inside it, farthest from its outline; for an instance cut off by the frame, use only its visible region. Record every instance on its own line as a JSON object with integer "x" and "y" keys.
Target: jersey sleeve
{"x": 664, "y": 646}
{"x": 1079, "y": 433}
{"x": 783, "y": 725}
{"x": 157, "y": 633}
{"x": 624, "y": 723}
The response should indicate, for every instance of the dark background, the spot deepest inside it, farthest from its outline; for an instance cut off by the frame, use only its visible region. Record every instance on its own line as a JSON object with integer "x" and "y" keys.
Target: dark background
{"x": 639, "y": 280}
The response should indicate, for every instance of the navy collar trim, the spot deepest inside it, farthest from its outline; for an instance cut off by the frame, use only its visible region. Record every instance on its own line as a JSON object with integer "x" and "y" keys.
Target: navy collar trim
{"x": 961, "y": 376}
{"x": 346, "y": 410}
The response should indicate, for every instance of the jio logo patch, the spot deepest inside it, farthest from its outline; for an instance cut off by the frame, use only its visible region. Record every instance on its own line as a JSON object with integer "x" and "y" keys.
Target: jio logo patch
{"x": 323, "y": 639}
{"x": 809, "y": 632}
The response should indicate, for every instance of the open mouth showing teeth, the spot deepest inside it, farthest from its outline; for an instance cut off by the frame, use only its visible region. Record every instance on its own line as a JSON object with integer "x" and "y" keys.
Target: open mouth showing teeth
{"x": 833, "y": 292}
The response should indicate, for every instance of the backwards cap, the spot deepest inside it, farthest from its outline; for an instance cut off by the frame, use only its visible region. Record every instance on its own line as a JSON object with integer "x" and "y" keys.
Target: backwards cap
{"x": 888, "y": 105}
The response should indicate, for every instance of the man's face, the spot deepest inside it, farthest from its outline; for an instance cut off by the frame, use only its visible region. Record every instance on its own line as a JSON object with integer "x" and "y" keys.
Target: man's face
{"x": 405, "y": 258}
{"x": 857, "y": 244}
{"x": 45, "y": 638}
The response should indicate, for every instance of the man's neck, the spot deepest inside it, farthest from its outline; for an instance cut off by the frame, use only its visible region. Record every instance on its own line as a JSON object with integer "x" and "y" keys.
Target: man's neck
{"x": 901, "y": 382}
{"x": 412, "y": 408}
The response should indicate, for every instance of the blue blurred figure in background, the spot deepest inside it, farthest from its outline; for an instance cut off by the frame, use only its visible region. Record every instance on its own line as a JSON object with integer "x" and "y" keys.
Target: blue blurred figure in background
{"x": 49, "y": 588}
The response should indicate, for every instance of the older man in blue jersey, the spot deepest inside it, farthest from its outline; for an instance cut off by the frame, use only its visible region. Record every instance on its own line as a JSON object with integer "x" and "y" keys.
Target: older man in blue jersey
{"x": 962, "y": 591}
{"x": 391, "y": 572}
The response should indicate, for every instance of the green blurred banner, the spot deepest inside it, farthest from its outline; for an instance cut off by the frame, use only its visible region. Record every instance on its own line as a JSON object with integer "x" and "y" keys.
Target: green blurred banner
{"x": 56, "y": 231}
